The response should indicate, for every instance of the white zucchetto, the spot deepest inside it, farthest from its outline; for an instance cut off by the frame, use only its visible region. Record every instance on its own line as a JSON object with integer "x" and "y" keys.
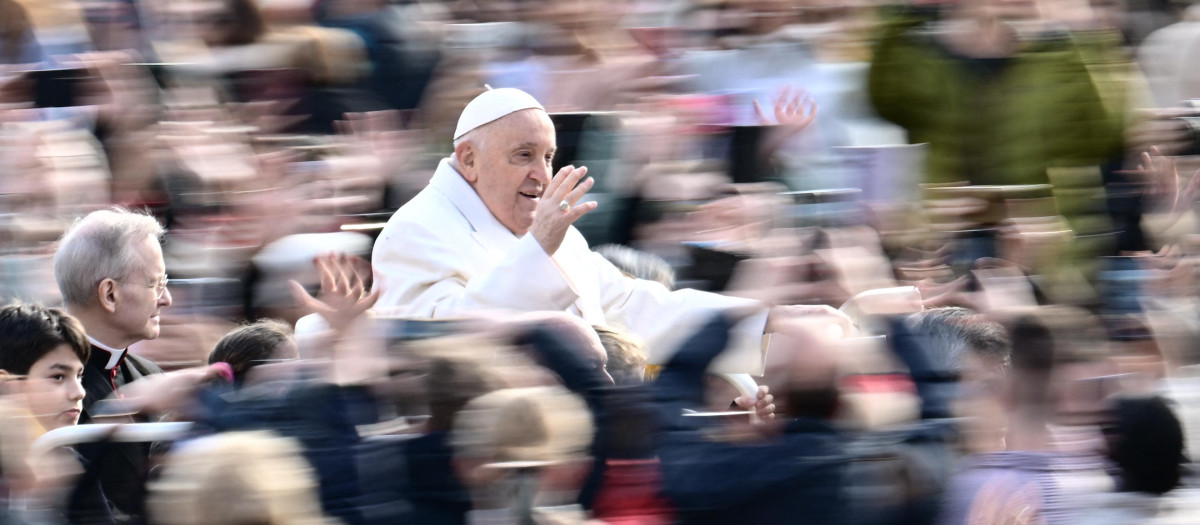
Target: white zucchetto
{"x": 492, "y": 105}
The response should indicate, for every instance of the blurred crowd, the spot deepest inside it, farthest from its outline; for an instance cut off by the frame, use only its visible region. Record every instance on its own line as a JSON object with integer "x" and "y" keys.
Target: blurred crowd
{"x": 990, "y": 206}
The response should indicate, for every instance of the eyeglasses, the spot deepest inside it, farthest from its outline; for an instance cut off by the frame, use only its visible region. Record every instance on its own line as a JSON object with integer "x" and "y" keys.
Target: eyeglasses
{"x": 160, "y": 287}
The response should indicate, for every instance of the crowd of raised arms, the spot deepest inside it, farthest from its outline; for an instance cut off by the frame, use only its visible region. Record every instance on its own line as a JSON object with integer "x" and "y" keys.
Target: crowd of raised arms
{"x": 627, "y": 262}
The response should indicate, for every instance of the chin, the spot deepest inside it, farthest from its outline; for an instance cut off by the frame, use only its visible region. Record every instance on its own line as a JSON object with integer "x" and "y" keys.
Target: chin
{"x": 58, "y": 422}
{"x": 522, "y": 227}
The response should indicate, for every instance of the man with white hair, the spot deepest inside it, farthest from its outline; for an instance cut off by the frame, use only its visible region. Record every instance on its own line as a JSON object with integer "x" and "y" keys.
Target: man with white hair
{"x": 493, "y": 231}
{"x": 110, "y": 271}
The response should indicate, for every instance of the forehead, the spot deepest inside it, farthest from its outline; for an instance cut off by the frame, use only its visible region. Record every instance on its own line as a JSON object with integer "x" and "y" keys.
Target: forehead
{"x": 60, "y": 355}
{"x": 525, "y": 126}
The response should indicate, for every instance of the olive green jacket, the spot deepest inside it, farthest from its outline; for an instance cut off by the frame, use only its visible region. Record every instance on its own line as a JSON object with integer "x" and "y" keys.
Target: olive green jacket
{"x": 997, "y": 123}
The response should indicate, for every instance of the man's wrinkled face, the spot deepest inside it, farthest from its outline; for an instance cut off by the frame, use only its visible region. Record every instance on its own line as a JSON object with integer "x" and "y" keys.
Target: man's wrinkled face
{"x": 143, "y": 292}
{"x": 511, "y": 166}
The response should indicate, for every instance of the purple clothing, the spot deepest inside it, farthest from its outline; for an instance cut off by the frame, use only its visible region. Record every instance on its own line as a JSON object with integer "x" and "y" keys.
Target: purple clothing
{"x": 1000, "y": 474}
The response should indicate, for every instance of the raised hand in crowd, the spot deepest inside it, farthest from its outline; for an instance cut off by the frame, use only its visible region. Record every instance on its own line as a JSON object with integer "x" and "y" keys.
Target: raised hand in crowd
{"x": 118, "y": 88}
{"x": 344, "y": 296}
{"x": 794, "y": 111}
{"x": 1160, "y": 175}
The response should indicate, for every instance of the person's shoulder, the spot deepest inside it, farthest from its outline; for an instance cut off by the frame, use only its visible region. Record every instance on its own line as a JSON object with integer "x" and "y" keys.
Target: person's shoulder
{"x": 429, "y": 211}
{"x": 142, "y": 364}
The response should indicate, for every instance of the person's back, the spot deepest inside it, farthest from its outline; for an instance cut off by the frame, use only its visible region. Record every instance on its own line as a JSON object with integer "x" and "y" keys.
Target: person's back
{"x": 431, "y": 486}
{"x": 1033, "y": 473}
{"x": 802, "y": 473}
{"x": 436, "y": 495}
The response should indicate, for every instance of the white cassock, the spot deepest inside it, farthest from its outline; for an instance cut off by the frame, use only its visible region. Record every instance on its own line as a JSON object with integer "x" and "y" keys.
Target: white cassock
{"x": 443, "y": 254}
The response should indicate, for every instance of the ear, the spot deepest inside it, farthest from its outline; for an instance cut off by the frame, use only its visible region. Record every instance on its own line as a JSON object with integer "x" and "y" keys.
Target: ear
{"x": 107, "y": 292}
{"x": 470, "y": 470}
{"x": 1008, "y": 395}
{"x": 467, "y": 160}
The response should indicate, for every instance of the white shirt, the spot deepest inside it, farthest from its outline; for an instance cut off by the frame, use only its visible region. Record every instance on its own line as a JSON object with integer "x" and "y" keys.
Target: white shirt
{"x": 115, "y": 354}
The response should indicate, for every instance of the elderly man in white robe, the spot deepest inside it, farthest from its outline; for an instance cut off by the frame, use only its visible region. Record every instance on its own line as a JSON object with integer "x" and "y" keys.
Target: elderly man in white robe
{"x": 493, "y": 231}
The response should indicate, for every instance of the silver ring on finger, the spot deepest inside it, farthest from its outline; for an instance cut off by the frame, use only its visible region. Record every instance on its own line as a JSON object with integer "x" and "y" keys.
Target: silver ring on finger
{"x": 564, "y": 206}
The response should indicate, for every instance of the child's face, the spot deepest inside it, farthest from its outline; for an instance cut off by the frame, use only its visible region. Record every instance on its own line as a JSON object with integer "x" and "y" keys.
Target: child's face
{"x": 53, "y": 388}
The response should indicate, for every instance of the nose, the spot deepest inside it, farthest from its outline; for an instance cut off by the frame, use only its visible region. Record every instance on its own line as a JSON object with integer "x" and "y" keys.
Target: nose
{"x": 166, "y": 299}
{"x": 76, "y": 392}
{"x": 542, "y": 174}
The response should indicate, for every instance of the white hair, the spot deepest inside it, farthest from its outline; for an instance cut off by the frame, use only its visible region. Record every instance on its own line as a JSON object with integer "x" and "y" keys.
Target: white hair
{"x": 476, "y": 136}
{"x": 97, "y": 247}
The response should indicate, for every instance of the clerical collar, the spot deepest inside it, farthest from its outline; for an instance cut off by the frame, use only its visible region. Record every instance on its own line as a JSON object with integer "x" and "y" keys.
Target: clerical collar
{"x": 115, "y": 354}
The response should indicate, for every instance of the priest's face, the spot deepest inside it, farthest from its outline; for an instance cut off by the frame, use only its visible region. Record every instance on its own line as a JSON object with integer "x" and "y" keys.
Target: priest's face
{"x": 142, "y": 294}
{"x": 510, "y": 166}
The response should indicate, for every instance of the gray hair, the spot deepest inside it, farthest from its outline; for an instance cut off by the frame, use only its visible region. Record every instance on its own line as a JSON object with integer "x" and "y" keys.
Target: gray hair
{"x": 951, "y": 332}
{"x": 97, "y": 247}
{"x": 639, "y": 264}
{"x": 476, "y": 136}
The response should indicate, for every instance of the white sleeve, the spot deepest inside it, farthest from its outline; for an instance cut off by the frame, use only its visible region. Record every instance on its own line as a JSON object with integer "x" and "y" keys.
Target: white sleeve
{"x": 664, "y": 319}
{"x": 429, "y": 274}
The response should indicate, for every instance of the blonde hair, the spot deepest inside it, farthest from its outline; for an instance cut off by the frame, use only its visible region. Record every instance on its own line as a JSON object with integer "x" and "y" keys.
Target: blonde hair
{"x": 236, "y": 478}
{"x": 524, "y": 425}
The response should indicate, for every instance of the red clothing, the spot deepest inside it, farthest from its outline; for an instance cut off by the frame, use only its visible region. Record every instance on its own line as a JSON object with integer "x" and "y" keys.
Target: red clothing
{"x": 631, "y": 494}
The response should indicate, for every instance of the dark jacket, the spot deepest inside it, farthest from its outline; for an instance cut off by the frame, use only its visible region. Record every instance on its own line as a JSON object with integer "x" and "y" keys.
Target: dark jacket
{"x": 797, "y": 478}
{"x": 320, "y": 416}
{"x": 436, "y": 495}
{"x": 99, "y": 384}
{"x": 122, "y": 468}
{"x": 582, "y": 379}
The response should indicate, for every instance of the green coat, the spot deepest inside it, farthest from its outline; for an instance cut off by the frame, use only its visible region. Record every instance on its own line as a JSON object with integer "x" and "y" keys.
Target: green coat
{"x": 992, "y": 125}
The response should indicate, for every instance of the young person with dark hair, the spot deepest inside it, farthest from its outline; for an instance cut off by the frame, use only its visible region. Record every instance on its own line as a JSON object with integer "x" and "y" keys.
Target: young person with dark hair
{"x": 42, "y": 352}
{"x": 253, "y": 345}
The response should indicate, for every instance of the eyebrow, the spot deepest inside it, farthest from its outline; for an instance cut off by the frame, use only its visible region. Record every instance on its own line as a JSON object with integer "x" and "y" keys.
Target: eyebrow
{"x": 534, "y": 145}
{"x": 65, "y": 368}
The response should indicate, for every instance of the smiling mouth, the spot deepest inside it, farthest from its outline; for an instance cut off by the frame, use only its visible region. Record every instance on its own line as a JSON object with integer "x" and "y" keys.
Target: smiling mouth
{"x": 533, "y": 196}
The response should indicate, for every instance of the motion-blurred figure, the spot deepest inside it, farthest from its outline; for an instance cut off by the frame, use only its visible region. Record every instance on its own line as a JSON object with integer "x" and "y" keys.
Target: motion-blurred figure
{"x": 521, "y": 452}
{"x": 238, "y": 477}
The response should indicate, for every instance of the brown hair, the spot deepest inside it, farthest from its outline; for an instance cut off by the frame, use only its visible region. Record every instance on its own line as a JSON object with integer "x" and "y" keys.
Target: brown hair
{"x": 249, "y": 346}
{"x": 244, "y": 23}
{"x": 451, "y": 384}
